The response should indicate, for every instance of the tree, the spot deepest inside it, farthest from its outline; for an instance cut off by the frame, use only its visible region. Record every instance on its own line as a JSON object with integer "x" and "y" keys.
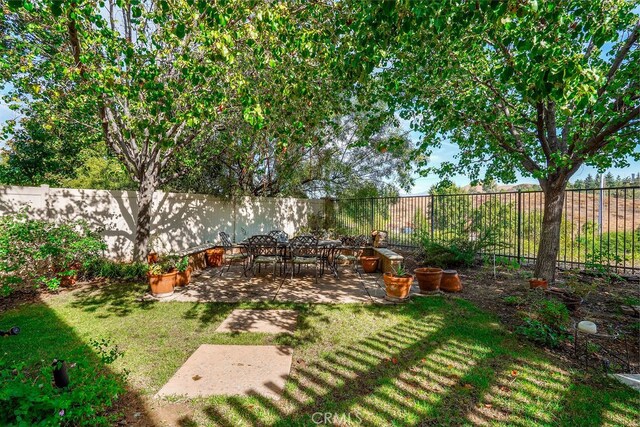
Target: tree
{"x": 159, "y": 74}
{"x": 530, "y": 87}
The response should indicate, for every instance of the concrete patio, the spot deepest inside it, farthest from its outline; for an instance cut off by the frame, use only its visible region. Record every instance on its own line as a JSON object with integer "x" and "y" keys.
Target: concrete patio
{"x": 208, "y": 286}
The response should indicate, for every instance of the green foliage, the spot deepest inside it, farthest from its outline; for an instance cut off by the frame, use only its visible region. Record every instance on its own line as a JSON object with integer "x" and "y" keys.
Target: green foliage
{"x": 513, "y": 300}
{"x": 460, "y": 250}
{"x": 36, "y": 252}
{"x": 28, "y": 396}
{"x": 105, "y": 268}
{"x": 545, "y": 321}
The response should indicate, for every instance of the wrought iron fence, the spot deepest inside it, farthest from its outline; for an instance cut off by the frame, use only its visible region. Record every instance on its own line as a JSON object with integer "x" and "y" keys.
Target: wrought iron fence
{"x": 600, "y": 227}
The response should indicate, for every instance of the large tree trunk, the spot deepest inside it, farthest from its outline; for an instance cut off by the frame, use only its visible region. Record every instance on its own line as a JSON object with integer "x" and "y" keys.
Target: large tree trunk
{"x": 549, "y": 245}
{"x": 148, "y": 185}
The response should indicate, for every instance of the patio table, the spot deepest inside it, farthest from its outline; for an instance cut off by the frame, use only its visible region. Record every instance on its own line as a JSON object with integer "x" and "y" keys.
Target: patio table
{"x": 328, "y": 249}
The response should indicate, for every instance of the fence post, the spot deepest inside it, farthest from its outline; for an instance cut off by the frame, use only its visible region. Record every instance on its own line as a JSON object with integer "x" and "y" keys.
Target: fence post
{"x": 373, "y": 226}
{"x": 519, "y": 227}
{"x": 433, "y": 207}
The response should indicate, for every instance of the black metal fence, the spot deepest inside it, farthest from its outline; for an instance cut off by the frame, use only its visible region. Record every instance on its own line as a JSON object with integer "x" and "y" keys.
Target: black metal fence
{"x": 600, "y": 227}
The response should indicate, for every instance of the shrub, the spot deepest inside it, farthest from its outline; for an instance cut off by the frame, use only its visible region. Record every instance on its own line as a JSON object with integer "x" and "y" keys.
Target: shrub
{"x": 460, "y": 250}
{"x": 36, "y": 252}
{"x": 28, "y": 396}
{"x": 130, "y": 272}
{"x": 546, "y": 322}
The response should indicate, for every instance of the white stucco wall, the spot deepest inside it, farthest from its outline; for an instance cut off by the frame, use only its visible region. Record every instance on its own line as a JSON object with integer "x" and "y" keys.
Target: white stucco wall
{"x": 179, "y": 220}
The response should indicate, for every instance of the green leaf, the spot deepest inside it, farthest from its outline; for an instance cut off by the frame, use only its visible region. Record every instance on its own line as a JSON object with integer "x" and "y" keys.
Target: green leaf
{"x": 180, "y": 30}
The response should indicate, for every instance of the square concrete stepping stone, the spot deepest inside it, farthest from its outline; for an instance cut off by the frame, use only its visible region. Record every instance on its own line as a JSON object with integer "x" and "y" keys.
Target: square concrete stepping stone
{"x": 267, "y": 321}
{"x": 232, "y": 370}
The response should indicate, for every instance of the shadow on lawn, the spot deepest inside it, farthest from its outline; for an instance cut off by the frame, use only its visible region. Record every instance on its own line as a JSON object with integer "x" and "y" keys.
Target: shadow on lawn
{"x": 44, "y": 336}
{"x": 451, "y": 365}
{"x": 111, "y": 299}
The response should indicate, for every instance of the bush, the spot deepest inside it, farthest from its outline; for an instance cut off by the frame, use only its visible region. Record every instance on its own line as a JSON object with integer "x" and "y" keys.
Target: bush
{"x": 28, "y": 396}
{"x": 460, "y": 250}
{"x": 129, "y": 272}
{"x": 36, "y": 252}
{"x": 546, "y": 322}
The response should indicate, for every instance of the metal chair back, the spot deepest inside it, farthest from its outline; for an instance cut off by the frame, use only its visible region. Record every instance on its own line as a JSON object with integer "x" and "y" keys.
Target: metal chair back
{"x": 262, "y": 245}
{"x": 279, "y": 235}
{"x": 226, "y": 240}
{"x": 304, "y": 246}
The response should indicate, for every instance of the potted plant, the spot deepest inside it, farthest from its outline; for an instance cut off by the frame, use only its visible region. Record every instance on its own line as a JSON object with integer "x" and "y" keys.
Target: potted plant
{"x": 162, "y": 278}
{"x": 369, "y": 263}
{"x": 184, "y": 271}
{"x": 537, "y": 282}
{"x": 428, "y": 278}
{"x": 398, "y": 283}
{"x": 214, "y": 256}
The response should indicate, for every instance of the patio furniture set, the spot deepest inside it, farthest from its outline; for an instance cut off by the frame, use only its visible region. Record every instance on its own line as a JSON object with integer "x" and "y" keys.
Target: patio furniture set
{"x": 287, "y": 255}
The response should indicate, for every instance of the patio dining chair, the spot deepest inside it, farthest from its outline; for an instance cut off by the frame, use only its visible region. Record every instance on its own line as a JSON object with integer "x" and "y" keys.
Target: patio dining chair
{"x": 280, "y": 236}
{"x": 304, "y": 251}
{"x": 263, "y": 249}
{"x": 229, "y": 256}
{"x": 354, "y": 247}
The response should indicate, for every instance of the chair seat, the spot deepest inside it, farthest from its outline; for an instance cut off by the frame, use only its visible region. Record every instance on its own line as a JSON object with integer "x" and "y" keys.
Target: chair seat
{"x": 234, "y": 256}
{"x": 264, "y": 259}
{"x": 305, "y": 260}
{"x": 347, "y": 257}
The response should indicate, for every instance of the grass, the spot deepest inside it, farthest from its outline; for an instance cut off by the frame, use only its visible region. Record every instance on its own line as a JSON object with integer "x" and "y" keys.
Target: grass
{"x": 434, "y": 360}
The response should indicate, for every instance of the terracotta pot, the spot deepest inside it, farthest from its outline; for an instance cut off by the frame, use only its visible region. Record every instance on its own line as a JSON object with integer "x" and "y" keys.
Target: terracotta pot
{"x": 450, "y": 281}
{"x": 68, "y": 281}
{"x": 428, "y": 278}
{"x": 162, "y": 284}
{"x": 397, "y": 287}
{"x": 184, "y": 277}
{"x": 369, "y": 264}
{"x": 152, "y": 257}
{"x": 537, "y": 283}
{"x": 214, "y": 257}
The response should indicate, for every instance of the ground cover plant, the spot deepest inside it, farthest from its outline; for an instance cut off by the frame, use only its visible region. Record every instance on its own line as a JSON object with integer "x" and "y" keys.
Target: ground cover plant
{"x": 439, "y": 359}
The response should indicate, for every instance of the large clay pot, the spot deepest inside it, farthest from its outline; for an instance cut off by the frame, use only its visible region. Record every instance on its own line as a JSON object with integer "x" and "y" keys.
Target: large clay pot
{"x": 184, "y": 277}
{"x": 214, "y": 257}
{"x": 152, "y": 257}
{"x": 537, "y": 282}
{"x": 428, "y": 278}
{"x": 162, "y": 284}
{"x": 369, "y": 263}
{"x": 450, "y": 281}
{"x": 397, "y": 287}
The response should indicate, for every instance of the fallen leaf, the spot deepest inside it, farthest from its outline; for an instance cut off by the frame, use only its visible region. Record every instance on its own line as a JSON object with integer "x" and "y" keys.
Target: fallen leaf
{"x": 450, "y": 366}
{"x": 488, "y": 405}
{"x": 514, "y": 373}
{"x": 424, "y": 360}
{"x": 196, "y": 377}
{"x": 394, "y": 360}
{"x": 468, "y": 386}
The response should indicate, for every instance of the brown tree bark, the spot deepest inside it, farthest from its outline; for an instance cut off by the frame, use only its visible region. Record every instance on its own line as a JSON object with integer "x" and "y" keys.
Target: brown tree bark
{"x": 549, "y": 244}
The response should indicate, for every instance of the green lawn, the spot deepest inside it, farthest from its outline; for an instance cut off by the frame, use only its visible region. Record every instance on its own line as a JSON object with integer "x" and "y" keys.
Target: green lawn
{"x": 437, "y": 359}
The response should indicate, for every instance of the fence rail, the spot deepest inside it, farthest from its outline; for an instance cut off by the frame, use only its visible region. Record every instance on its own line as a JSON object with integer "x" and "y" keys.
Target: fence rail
{"x": 600, "y": 227}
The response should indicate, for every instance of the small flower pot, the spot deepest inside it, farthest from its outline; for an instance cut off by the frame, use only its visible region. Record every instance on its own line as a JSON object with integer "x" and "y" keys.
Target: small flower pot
{"x": 369, "y": 264}
{"x": 214, "y": 257}
{"x": 428, "y": 278}
{"x": 162, "y": 284}
{"x": 450, "y": 281}
{"x": 538, "y": 282}
{"x": 184, "y": 277}
{"x": 68, "y": 281}
{"x": 397, "y": 287}
{"x": 153, "y": 257}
